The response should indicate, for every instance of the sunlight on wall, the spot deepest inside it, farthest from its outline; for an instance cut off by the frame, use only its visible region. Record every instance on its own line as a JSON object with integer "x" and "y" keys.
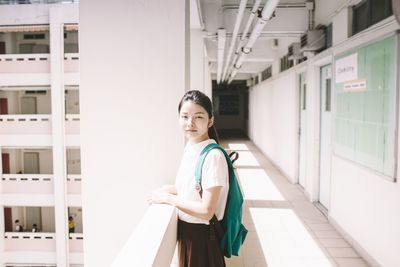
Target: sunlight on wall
{"x": 237, "y": 147}
{"x": 257, "y": 185}
{"x": 284, "y": 239}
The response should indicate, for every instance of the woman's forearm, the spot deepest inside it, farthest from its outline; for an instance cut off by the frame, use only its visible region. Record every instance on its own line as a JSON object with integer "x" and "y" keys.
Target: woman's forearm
{"x": 169, "y": 189}
{"x": 193, "y": 208}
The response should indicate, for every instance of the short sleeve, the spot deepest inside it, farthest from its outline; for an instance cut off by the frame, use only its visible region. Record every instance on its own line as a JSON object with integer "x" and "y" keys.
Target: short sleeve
{"x": 215, "y": 170}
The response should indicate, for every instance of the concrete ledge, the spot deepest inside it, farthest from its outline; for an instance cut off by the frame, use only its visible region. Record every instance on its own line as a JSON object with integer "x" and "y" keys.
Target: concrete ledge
{"x": 154, "y": 240}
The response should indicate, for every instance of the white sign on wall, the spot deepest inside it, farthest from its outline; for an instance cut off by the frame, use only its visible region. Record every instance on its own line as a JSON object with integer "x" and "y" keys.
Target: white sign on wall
{"x": 355, "y": 86}
{"x": 346, "y": 69}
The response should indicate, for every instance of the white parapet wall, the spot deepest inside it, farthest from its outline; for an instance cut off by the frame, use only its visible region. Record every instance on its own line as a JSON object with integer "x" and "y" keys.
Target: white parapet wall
{"x": 153, "y": 242}
{"x": 129, "y": 94}
{"x": 35, "y": 14}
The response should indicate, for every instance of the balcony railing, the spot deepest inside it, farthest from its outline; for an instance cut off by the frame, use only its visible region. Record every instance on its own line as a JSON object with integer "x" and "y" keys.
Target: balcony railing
{"x": 76, "y": 243}
{"x": 154, "y": 240}
{"x": 27, "y": 183}
{"x": 71, "y": 62}
{"x": 72, "y": 125}
{"x": 25, "y": 124}
{"x": 35, "y": 63}
{"x": 15, "y": 2}
{"x": 37, "y": 184}
{"x": 74, "y": 183}
{"x": 72, "y": 117}
{"x": 36, "y": 124}
{"x": 25, "y": 63}
{"x": 26, "y": 241}
{"x": 24, "y": 117}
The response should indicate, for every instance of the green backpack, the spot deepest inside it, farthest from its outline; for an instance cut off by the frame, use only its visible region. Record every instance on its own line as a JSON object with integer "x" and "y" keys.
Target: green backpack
{"x": 232, "y": 232}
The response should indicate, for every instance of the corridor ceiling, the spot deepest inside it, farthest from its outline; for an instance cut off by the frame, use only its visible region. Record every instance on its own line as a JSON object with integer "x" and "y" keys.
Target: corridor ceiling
{"x": 290, "y": 21}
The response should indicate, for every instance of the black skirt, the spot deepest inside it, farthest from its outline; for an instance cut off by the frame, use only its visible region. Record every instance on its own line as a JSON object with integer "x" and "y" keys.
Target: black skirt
{"x": 198, "y": 246}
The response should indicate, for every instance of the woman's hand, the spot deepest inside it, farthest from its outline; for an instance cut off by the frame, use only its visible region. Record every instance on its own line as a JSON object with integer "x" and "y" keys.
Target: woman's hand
{"x": 160, "y": 196}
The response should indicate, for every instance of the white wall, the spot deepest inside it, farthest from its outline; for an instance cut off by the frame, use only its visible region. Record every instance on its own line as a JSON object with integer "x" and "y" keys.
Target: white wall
{"x": 130, "y": 139}
{"x": 36, "y": 14}
{"x": 197, "y": 78}
{"x": 48, "y": 220}
{"x": 16, "y": 160}
{"x": 43, "y": 102}
{"x": 46, "y": 161}
{"x": 10, "y": 40}
{"x": 73, "y": 161}
{"x": 13, "y": 101}
{"x": 364, "y": 205}
{"x": 326, "y": 10}
{"x": 72, "y": 102}
{"x": 17, "y": 213}
{"x": 273, "y": 125}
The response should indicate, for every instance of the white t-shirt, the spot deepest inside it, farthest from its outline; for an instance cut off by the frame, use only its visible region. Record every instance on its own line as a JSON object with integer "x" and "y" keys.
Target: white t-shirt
{"x": 215, "y": 173}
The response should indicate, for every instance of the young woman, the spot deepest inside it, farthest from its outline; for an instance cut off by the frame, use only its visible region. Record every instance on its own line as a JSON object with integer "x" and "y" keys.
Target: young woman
{"x": 197, "y": 244}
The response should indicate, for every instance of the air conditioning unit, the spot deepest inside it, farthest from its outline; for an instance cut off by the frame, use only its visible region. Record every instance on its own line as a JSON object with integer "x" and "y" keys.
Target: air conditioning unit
{"x": 313, "y": 40}
{"x": 294, "y": 51}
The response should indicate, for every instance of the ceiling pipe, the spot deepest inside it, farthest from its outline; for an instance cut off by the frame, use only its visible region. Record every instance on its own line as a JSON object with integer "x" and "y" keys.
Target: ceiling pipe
{"x": 221, "y": 51}
{"x": 266, "y": 15}
{"x": 310, "y": 8}
{"x": 281, "y": 5}
{"x": 202, "y": 27}
{"x": 233, "y": 74}
{"x": 243, "y": 37}
{"x": 239, "y": 17}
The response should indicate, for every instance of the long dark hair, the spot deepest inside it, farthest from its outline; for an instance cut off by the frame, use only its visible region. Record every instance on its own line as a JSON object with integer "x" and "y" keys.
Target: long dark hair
{"x": 204, "y": 101}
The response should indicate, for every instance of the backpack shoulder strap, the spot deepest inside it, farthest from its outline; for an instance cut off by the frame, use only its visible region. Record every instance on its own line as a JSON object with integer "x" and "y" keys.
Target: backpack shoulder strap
{"x": 202, "y": 157}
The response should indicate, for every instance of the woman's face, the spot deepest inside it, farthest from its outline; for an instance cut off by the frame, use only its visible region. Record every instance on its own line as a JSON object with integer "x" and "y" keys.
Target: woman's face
{"x": 194, "y": 122}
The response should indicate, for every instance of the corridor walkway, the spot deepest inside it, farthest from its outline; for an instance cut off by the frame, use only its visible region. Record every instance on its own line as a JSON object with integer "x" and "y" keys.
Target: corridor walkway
{"x": 285, "y": 229}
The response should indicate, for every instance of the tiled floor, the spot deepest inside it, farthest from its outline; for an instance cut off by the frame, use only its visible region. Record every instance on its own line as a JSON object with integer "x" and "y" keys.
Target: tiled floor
{"x": 285, "y": 229}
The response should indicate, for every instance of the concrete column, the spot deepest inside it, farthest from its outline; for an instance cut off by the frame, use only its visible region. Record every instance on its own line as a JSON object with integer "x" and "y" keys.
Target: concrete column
{"x": 186, "y": 28}
{"x": 58, "y": 134}
{"x": 312, "y": 132}
{"x": 2, "y": 225}
{"x": 130, "y": 86}
{"x": 197, "y": 75}
{"x": 207, "y": 75}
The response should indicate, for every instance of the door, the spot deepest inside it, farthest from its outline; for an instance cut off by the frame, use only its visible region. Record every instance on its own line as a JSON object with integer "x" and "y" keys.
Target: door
{"x": 33, "y": 216}
{"x": 325, "y": 136}
{"x": 8, "y": 224}
{"x": 302, "y": 128}
{"x": 5, "y": 161}
{"x": 2, "y": 48}
{"x": 28, "y": 105}
{"x": 3, "y": 106}
{"x": 31, "y": 162}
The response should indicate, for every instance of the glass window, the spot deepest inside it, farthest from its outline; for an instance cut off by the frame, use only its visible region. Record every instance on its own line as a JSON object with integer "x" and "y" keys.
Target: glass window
{"x": 369, "y": 12}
